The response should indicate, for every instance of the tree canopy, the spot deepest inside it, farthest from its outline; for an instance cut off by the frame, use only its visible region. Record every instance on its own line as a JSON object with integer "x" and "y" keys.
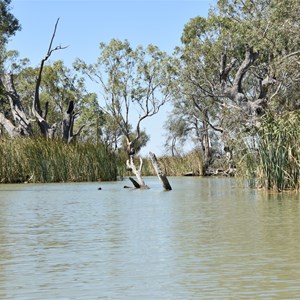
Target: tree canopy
{"x": 8, "y": 26}
{"x": 233, "y": 66}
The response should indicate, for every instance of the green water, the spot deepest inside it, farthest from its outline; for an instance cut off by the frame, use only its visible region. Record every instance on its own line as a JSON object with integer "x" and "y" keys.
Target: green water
{"x": 208, "y": 238}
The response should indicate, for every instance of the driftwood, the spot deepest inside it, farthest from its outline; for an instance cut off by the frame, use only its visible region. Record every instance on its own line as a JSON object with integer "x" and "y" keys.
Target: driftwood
{"x": 163, "y": 178}
{"x": 190, "y": 174}
{"x": 136, "y": 185}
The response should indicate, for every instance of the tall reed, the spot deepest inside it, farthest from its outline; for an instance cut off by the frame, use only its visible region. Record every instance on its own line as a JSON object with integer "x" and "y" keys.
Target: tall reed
{"x": 177, "y": 165}
{"x": 275, "y": 164}
{"x": 39, "y": 160}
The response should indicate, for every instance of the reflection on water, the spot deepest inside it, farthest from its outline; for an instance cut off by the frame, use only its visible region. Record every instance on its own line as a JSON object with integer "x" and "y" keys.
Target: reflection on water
{"x": 208, "y": 238}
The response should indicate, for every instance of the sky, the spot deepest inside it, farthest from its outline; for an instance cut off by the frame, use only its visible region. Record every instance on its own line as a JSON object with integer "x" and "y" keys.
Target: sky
{"x": 83, "y": 24}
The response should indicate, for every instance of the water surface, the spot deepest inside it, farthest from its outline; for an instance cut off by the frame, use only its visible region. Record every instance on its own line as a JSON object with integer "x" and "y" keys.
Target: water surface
{"x": 208, "y": 238}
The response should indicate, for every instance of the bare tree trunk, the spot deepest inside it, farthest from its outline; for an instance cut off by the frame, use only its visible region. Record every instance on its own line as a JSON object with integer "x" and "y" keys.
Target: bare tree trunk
{"x": 21, "y": 125}
{"x": 68, "y": 124}
{"x": 163, "y": 178}
{"x": 234, "y": 90}
{"x": 137, "y": 172}
{"x": 10, "y": 128}
{"x": 46, "y": 129}
{"x": 206, "y": 144}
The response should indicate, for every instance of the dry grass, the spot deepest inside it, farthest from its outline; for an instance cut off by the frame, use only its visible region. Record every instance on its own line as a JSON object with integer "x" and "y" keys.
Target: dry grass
{"x": 177, "y": 166}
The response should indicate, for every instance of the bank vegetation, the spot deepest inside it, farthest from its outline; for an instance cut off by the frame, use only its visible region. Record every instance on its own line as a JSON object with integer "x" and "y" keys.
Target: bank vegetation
{"x": 232, "y": 83}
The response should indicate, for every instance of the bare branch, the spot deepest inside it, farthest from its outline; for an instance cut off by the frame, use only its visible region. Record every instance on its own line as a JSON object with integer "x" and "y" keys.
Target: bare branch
{"x": 288, "y": 56}
{"x": 264, "y": 86}
{"x": 250, "y": 57}
{"x": 36, "y": 106}
{"x": 277, "y": 91}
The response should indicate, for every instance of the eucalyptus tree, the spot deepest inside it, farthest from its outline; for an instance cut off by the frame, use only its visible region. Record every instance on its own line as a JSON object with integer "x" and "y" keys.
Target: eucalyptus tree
{"x": 266, "y": 79}
{"x": 196, "y": 104}
{"x": 239, "y": 62}
{"x": 135, "y": 84}
{"x": 266, "y": 31}
{"x": 9, "y": 25}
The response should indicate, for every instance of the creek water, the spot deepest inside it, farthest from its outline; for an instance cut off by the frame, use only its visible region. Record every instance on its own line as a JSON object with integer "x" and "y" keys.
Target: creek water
{"x": 208, "y": 238}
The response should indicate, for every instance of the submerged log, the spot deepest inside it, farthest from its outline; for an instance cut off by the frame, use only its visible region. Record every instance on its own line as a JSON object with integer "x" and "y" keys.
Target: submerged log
{"x": 163, "y": 178}
{"x": 136, "y": 185}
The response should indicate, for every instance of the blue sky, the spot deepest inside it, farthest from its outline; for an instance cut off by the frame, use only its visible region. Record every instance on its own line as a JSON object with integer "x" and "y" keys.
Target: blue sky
{"x": 85, "y": 23}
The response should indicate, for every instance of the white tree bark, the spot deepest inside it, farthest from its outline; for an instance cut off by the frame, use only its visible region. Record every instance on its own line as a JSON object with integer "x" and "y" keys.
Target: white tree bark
{"x": 137, "y": 172}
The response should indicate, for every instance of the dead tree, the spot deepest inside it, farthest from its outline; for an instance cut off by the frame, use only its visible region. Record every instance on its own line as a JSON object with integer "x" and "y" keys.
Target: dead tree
{"x": 131, "y": 144}
{"x": 47, "y": 129}
{"x": 20, "y": 124}
{"x": 163, "y": 178}
{"x": 68, "y": 124}
{"x": 137, "y": 171}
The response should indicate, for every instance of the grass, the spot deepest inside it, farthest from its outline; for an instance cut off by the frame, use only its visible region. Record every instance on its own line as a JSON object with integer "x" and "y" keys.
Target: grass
{"x": 176, "y": 165}
{"x": 39, "y": 160}
{"x": 275, "y": 164}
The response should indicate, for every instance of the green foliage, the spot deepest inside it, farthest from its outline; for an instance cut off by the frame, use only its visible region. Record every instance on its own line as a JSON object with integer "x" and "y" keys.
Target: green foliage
{"x": 40, "y": 160}
{"x": 8, "y": 22}
{"x": 8, "y": 25}
{"x": 134, "y": 84}
{"x": 139, "y": 144}
{"x": 271, "y": 28}
{"x": 275, "y": 162}
{"x": 58, "y": 87}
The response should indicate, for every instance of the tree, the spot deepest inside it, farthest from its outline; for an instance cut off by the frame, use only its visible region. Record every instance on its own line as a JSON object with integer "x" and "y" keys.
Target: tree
{"x": 237, "y": 63}
{"x": 195, "y": 103}
{"x": 9, "y": 25}
{"x": 135, "y": 84}
{"x": 59, "y": 89}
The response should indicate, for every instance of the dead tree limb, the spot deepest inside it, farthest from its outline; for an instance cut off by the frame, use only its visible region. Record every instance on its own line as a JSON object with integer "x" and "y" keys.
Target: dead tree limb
{"x": 163, "y": 178}
{"x": 46, "y": 129}
{"x": 136, "y": 185}
{"x": 137, "y": 172}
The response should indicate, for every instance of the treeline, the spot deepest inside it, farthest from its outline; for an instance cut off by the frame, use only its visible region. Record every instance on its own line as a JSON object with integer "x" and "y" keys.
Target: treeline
{"x": 233, "y": 84}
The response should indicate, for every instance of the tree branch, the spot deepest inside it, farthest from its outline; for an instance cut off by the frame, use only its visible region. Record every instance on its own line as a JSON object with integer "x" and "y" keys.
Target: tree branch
{"x": 250, "y": 57}
{"x": 17, "y": 110}
{"x": 36, "y": 106}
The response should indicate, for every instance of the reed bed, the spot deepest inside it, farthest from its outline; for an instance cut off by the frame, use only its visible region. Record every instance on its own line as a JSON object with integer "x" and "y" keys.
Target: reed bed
{"x": 177, "y": 165}
{"x": 275, "y": 163}
{"x": 39, "y": 160}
